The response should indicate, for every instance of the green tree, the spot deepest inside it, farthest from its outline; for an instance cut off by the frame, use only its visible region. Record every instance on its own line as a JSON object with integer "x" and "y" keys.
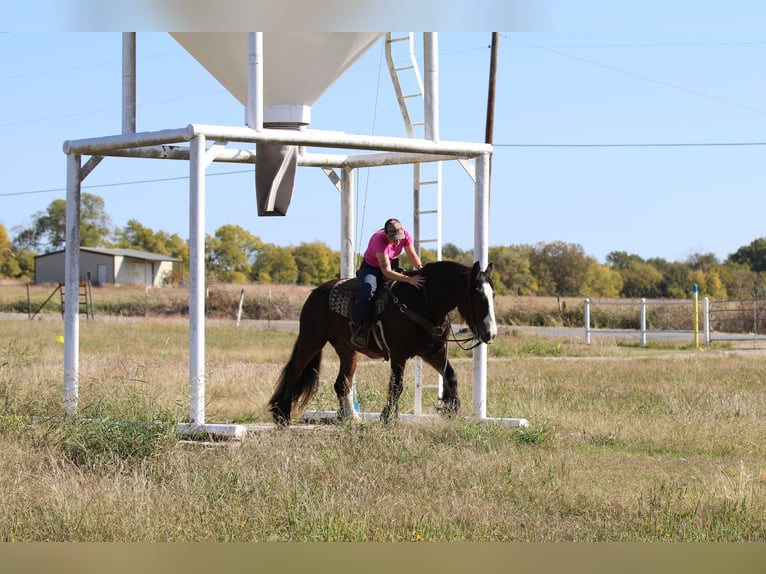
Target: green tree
{"x": 512, "y": 270}
{"x": 48, "y": 229}
{"x": 676, "y": 280}
{"x": 752, "y": 255}
{"x": 230, "y": 253}
{"x": 620, "y": 260}
{"x": 560, "y": 268}
{"x": 275, "y": 265}
{"x": 601, "y": 281}
{"x": 316, "y": 263}
{"x": 711, "y": 283}
{"x": 640, "y": 279}
{"x": 740, "y": 282}
{"x": 703, "y": 261}
{"x": 426, "y": 256}
{"x": 25, "y": 259}
{"x": 8, "y": 265}
{"x": 136, "y": 236}
{"x": 451, "y": 252}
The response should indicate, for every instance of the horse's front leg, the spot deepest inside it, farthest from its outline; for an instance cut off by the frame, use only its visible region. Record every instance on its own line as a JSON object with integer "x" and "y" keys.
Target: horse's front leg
{"x": 450, "y": 399}
{"x": 395, "y": 388}
{"x": 344, "y": 388}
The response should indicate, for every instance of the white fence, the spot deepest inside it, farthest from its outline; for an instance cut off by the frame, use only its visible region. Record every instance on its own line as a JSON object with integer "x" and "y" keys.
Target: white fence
{"x": 643, "y": 304}
{"x": 724, "y": 320}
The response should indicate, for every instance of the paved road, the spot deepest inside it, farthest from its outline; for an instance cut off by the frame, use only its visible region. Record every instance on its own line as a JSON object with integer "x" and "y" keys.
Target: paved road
{"x": 564, "y": 332}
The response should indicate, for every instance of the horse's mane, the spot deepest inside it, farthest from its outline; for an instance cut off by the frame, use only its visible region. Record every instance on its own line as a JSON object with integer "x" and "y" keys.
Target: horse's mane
{"x": 436, "y": 268}
{"x": 444, "y": 280}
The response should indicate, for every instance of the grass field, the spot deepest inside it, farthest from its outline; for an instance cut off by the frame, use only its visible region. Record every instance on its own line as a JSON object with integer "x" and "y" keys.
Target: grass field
{"x": 663, "y": 443}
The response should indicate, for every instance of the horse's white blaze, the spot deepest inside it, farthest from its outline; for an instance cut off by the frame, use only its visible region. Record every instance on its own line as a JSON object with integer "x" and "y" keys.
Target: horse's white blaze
{"x": 489, "y": 320}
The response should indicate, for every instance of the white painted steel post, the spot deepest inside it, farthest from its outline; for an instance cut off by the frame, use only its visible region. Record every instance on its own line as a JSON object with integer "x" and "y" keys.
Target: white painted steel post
{"x": 347, "y": 230}
{"x": 431, "y": 85}
{"x": 643, "y": 322}
{"x": 347, "y": 264}
{"x": 197, "y": 281}
{"x": 707, "y": 321}
{"x": 696, "y": 316}
{"x": 481, "y": 254}
{"x": 72, "y": 287}
{"x": 431, "y": 132}
{"x": 254, "y": 110}
{"x": 128, "y": 82}
{"x": 431, "y": 116}
{"x": 586, "y": 320}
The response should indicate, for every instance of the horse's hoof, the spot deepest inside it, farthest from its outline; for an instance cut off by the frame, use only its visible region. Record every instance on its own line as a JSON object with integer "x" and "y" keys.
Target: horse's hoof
{"x": 388, "y": 419}
{"x": 280, "y": 420}
{"x": 353, "y": 418}
{"x": 450, "y": 409}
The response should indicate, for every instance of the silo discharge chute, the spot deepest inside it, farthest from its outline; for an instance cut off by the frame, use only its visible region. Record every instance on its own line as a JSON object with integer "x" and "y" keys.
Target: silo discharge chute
{"x": 275, "y": 177}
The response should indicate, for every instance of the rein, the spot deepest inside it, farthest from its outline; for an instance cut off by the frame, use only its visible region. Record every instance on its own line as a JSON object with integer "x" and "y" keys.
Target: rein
{"x": 460, "y": 342}
{"x": 436, "y": 332}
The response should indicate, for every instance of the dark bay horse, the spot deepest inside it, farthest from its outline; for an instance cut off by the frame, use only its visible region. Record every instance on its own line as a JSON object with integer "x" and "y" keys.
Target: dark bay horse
{"x": 409, "y": 322}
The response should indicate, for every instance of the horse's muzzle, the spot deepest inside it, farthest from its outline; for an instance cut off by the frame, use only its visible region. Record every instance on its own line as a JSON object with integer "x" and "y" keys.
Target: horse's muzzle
{"x": 485, "y": 336}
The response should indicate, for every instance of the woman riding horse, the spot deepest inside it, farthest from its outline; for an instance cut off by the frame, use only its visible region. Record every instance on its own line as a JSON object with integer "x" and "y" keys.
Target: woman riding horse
{"x": 384, "y": 246}
{"x": 414, "y": 322}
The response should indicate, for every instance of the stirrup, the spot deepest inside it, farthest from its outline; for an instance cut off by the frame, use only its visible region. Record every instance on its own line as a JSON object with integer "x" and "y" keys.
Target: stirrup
{"x": 361, "y": 337}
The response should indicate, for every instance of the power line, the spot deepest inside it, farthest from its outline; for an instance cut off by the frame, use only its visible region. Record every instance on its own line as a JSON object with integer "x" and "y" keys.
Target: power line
{"x": 515, "y": 38}
{"x": 633, "y": 145}
{"x": 118, "y": 184}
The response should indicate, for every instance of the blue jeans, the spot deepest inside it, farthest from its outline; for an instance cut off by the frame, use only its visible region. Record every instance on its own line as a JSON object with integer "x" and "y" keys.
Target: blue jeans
{"x": 368, "y": 278}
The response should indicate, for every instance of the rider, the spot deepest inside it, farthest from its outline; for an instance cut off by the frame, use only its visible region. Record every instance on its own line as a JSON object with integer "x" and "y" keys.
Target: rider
{"x": 385, "y": 246}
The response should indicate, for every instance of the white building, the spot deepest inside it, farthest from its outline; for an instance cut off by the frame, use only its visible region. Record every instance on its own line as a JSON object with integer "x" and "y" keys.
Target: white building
{"x": 108, "y": 267}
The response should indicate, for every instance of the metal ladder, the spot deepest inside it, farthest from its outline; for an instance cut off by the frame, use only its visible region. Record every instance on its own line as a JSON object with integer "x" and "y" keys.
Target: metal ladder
{"x": 427, "y": 187}
{"x": 85, "y": 299}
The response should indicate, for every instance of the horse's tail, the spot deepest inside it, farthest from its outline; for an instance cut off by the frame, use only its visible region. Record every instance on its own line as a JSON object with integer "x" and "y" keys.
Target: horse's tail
{"x": 293, "y": 386}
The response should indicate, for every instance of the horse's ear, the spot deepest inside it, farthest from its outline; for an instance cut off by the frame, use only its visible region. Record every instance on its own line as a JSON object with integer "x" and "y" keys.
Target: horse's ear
{"x": 490, "y": 270}
{"x": 476, "y": 269}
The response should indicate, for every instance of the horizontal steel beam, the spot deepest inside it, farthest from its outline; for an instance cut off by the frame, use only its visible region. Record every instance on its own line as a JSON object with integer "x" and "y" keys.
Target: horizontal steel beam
{"x": 181, "y": 152}
{"x": 313, "y": 138}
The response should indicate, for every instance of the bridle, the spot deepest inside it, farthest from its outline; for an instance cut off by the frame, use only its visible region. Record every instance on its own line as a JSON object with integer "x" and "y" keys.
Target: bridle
{"x": 473, "y": 337}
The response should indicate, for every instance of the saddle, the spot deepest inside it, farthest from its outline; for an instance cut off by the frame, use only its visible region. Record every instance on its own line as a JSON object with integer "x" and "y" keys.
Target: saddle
{"x": 341, "y": 301}
{"x": 343, "y": 295}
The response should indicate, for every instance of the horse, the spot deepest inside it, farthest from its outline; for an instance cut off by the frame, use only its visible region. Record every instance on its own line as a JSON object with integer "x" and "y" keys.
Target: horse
{"x": 407, "y": 322}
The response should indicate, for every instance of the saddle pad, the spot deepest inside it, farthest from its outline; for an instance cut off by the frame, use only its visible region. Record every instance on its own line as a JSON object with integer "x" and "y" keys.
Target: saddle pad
{"x": 343, "y": 294}
{"x": 342, "y": 297}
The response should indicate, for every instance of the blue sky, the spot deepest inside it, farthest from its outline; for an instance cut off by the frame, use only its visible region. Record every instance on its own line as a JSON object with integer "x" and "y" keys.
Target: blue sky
{"x": 627, "y": 134}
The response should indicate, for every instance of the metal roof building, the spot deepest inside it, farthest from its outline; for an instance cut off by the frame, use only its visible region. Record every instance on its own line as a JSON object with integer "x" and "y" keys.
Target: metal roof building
{"x": 108, "y": 267}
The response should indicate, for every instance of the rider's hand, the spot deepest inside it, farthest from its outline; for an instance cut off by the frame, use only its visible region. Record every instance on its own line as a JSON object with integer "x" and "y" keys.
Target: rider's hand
{"x": 417, "y": 280}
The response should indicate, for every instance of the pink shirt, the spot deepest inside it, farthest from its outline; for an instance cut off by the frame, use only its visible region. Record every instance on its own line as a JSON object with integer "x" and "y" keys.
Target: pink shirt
{"x": 379, "y": 243}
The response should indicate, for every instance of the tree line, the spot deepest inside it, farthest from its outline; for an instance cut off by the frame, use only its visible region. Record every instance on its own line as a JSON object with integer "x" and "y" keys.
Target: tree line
{"x": 234, "y": 255}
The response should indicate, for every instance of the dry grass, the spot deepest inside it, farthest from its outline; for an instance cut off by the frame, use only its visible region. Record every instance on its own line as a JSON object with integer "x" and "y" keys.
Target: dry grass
{"x": 624, "y": 444}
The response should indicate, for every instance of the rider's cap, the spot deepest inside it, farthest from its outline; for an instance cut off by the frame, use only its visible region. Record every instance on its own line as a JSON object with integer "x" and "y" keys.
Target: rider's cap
{"x": 394, "y": 229}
